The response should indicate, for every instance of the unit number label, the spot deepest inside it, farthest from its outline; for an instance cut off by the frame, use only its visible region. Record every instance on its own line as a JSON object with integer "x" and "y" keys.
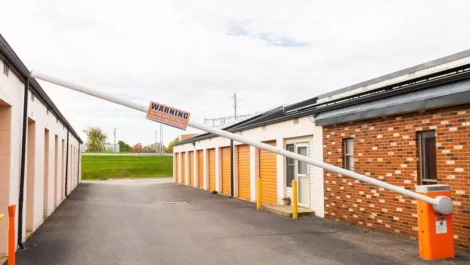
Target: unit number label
{"x": 441, "y": 225}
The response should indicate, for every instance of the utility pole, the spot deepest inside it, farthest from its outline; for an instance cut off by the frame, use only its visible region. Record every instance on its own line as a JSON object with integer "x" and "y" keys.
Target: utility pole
{"x": 161, "y": 139}
{"x": 156, "y": 142}
{"x": 115, "y": 149}
{"x": 235, "y": 104}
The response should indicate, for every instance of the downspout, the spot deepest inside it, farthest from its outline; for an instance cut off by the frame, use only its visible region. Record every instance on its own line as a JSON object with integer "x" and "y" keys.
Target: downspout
{"x": 23, "y": 165}
{"x": 78, "y": 166}
{"x": 231, "y": 169}
{"x": 67, "y": 163}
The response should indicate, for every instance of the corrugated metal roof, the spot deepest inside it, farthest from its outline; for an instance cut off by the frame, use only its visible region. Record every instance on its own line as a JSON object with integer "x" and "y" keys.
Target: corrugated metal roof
{"x": 424, "y": 69}
{"x": 441, "y": 96}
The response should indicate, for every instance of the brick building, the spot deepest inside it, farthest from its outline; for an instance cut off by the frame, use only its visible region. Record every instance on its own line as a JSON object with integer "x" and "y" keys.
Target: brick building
{"x": 408, "y": 128}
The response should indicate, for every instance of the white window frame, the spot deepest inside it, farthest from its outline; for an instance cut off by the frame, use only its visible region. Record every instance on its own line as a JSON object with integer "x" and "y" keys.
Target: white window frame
{"x": 296, "y": 173}
{"x": 301, "y": 141}
{"x": 289, "y": 185}
{"x": 6, "y": 69}
{"x": 422, "y": 161}
{"x": 346, "y": 153}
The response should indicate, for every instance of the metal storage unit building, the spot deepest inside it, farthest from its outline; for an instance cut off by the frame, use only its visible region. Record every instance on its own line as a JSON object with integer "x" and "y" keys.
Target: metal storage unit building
{"x": 39, "y": 149}
{"x": 249, "y": 163}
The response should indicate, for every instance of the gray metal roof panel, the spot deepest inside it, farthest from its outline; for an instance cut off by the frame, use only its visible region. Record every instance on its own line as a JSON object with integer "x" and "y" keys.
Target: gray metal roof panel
{"x": 440, "y": 96}
{"x": 405, "y": 71}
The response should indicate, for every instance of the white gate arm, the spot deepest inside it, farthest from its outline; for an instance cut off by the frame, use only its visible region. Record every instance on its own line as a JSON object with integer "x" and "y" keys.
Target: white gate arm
{"x": 441, "y": 204}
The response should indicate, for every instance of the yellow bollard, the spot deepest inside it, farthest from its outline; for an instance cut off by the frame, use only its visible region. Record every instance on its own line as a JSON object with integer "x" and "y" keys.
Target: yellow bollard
{"x": 295, "y": 213}
{"x": 258, "y": 194}
{"x": 1, "y": 216}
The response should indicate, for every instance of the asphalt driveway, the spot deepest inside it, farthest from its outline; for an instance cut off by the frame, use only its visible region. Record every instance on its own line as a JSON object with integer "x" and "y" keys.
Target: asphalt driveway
{"x": 156, "y": 222}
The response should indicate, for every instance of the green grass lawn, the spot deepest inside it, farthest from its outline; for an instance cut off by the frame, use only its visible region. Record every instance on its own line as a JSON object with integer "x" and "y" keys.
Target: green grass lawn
{"x": 95, "y": 167}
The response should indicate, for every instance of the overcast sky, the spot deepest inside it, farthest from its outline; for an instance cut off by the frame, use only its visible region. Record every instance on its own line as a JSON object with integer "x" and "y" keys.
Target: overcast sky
{"x": 195, "y": 54}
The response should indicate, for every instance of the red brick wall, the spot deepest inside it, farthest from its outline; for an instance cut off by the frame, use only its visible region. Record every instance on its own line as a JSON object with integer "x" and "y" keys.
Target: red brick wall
{"x": 386, "y": 149}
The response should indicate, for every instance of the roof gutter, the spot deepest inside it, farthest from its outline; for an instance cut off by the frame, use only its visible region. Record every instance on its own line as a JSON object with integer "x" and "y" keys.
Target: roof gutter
{"x": 67, "y": 164}
{"x": 78, "y": 162}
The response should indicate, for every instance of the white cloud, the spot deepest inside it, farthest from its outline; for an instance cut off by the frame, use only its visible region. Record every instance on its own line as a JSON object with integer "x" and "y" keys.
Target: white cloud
{"x": 185, "y": 53}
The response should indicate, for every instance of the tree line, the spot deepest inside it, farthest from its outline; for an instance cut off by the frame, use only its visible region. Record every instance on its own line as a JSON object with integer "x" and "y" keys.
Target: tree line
{"x": 96, "y": 142}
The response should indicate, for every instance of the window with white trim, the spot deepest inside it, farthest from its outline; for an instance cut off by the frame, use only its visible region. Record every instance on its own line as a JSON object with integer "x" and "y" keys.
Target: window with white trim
{"x": 302, "y": 166}
{"x": 348, "y": 154}
{"x": 427, "y": 156}
{"x": 290, "y": 166}
{"x": 6, "y": 69}
{"x": 291, "y": 170}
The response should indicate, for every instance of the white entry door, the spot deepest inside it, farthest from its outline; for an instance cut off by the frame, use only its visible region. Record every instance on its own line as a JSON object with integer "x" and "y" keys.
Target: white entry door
{"x": 301, "y": 170}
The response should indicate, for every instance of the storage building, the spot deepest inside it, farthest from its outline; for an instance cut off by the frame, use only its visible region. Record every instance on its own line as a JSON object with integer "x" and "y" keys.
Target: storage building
{"x": 205, "y": 161}
{"x": 39, "y": 149}
{"x": 408, "y": 128}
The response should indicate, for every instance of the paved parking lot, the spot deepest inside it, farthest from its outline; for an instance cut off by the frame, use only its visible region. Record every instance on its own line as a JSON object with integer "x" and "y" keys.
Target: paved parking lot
{"x": 157, "y": 222}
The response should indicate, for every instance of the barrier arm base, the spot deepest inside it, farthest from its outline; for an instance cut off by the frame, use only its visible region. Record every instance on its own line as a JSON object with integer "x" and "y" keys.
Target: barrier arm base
{"x": 435, "y": 231}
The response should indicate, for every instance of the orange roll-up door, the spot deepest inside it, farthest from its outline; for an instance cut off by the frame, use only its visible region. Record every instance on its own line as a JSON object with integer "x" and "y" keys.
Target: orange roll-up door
{"x": 226, "y": 171}
{"x": 211, "y": 153}
{"x": 191, "y": 168}
{"x": 268, "y": 175}
{"x": 177, "y": 167}
{"x": 200, "y": 168}
{"x": 244, "y": 191}
{"x": 183, "y": 160}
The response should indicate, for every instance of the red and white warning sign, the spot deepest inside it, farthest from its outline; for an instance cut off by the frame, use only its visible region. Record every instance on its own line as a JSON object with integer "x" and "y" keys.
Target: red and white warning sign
{"x": 167, "y": 115}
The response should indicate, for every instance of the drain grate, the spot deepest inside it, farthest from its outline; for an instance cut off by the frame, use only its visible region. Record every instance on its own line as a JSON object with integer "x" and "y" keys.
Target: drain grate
{"x": 175, "y": 203}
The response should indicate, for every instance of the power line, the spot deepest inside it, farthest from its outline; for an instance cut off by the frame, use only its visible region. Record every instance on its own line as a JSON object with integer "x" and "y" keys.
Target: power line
{"x": 219, "y": 121}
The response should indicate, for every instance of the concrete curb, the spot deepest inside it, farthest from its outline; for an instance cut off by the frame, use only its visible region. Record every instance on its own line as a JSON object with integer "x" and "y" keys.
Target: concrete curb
{"x": 287, "y": 211}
